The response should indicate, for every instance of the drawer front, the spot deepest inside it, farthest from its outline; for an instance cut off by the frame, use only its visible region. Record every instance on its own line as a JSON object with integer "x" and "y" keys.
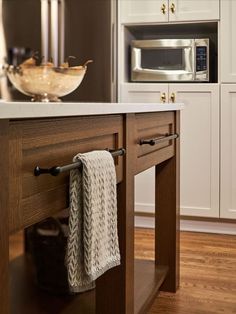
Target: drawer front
{"x": 151, "y": 126}
{"x": 47, "y": 143}
{"x": 144, "y": 93}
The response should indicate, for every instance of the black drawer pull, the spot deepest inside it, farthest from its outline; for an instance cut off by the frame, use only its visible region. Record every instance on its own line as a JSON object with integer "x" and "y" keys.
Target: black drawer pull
{"x": 158, "y": 140}
{"x": 56, "y": 170}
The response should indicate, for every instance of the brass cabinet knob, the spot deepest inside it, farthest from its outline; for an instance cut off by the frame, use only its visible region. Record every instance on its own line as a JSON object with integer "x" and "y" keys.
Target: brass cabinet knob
{"x": 172, "y": 97}
{"x": 163, "y": 97}
{"x": 172, "y": 8}
{"x": 163, "y": 8}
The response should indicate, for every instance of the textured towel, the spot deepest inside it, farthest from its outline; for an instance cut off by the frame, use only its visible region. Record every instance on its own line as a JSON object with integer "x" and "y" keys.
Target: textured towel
{"x": 92, "y": 246}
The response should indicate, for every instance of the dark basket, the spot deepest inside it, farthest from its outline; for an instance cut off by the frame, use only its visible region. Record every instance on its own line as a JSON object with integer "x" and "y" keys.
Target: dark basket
{"x": 47, "y": 243}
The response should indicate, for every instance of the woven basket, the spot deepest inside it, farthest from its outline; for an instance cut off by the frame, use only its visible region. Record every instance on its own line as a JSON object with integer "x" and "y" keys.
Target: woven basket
{"x": 47, "y": 242}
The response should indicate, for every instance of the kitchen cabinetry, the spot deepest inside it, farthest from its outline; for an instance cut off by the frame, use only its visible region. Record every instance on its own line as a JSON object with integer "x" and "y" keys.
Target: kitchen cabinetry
{"x": 26, "y": 199}
{"x": 199, "y": 160}
{"x": 193, "y": 10}
{"x": 143, "y": 11}
{"x": 199, "y": 141}
{"x": 227, "y": 41}
{"x": 153, "y": 11}
{"x": 228, "y": 151}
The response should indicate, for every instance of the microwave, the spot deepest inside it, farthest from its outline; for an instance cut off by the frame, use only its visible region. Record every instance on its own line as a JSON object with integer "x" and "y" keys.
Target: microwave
{"x": 170, "y": 60}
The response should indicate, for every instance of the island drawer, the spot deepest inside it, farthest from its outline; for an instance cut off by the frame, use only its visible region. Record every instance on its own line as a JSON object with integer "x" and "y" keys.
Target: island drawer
{"x": 50, "y": 142}
{"x": 154, "y": 137}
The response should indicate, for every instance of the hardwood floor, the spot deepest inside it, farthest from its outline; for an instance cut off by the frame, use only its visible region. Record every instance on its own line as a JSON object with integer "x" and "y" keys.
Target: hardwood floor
{"x": 208, "y": 272}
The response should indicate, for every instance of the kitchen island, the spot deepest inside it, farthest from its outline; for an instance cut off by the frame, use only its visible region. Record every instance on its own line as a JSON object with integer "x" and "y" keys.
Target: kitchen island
{"x": 49, "y": 134}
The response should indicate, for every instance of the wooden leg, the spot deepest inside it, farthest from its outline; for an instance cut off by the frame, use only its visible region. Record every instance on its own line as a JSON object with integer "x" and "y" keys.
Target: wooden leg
{"x": 115, "y": 289}
{"x": 4, "y": 233}
{"x": 167, "y": 218}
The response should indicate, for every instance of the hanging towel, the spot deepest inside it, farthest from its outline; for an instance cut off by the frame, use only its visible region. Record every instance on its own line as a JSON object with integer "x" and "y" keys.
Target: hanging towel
{"x": 92, "y": 246}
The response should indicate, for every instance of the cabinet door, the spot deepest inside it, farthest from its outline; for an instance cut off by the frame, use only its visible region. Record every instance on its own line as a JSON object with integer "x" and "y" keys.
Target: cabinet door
{"x": 199, "y": 174}
{"x": 227, "y": 41}
{"x": 193, "y": 10}
{"x": 143, "y": 93}
{"x": 143, "y": 11}
{"x": 228, "y": 151}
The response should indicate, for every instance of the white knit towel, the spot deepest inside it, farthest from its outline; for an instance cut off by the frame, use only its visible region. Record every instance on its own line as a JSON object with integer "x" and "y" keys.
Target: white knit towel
{"x": 92, "y": 246}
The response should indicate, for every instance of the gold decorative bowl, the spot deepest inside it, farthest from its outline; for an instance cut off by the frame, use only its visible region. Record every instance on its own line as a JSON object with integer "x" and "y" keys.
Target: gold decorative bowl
{"x": 45, "y": 82}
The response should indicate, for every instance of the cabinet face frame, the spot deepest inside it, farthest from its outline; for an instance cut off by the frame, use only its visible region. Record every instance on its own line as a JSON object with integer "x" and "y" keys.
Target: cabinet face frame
{"x": 227, "y": 41}
{"x": 228, "y": 152}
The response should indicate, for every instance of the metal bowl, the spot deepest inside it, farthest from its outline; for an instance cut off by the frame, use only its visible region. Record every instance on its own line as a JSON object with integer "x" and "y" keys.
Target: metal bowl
{"x": 45, "y": 83}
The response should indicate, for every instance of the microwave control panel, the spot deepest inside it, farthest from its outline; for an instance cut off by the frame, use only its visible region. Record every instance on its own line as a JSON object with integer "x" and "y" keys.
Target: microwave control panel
{"x": 201, "y": 58}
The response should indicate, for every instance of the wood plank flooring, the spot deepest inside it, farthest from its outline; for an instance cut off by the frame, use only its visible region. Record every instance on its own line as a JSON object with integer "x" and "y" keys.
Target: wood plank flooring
{"x": 208, "y": 272}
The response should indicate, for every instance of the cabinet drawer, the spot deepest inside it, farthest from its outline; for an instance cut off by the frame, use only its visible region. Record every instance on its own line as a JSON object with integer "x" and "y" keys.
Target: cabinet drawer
{"x": 47, "y": 143}
{"x": 143, "y": 93}
{"x": 151, "y": 126}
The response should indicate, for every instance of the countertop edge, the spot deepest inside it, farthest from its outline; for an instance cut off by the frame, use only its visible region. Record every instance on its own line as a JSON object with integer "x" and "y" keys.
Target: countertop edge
{"x": 23, "y": 110}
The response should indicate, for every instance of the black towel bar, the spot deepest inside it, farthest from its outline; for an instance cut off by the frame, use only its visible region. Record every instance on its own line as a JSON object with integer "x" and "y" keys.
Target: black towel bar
{"x": 56, "y": 170}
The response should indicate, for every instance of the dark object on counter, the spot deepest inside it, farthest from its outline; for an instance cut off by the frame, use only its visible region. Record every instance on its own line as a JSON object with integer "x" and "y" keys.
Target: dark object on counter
{"x": 17, "y": 55}
{"x": 47, "y": 242}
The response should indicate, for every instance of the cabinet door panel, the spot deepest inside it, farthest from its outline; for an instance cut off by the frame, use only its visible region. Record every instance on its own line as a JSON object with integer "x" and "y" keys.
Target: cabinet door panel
{"x": 227, "y": 41}
{"x": 228, "y": 151}
{"x": 143, "y": 93}
{"x": 143, "y": 11}
{"x": 193, "y": 10}
{"x": 199, "y": 174}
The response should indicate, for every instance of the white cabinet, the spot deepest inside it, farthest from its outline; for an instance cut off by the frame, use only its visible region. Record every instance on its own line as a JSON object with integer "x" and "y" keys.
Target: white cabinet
{"x": 228, "y": 151}
{"x": 143, "y": 11}
{"x": 228, "y": 41}
{"x": 193, "y": 10}
{"x": 199, "y": 143}
{"x": 153, "y": 11}
{"x": 143, "y": 93}
{"x": 199, "y": 162}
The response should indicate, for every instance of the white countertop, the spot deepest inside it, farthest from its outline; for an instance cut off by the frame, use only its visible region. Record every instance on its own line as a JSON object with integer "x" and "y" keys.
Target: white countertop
{"x": 14, "y": 110}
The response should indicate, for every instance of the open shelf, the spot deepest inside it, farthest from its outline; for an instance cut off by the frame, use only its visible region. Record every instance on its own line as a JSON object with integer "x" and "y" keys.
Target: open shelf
{"x": 148, "y": 279}
{"x": 27, "y": 298}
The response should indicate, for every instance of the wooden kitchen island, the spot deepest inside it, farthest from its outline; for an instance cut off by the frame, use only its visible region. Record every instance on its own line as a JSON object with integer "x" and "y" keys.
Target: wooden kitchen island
{"x": 45, "y": 135}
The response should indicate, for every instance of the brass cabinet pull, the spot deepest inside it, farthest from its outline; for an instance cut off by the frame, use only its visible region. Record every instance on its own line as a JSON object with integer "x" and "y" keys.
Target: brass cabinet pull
{"x": 172, "y": 8}
{"x": 163, "y": 8}
{"x": 154, "y": 141}
{"x": 163, "y": 97}
{"x": 172, "y": 97}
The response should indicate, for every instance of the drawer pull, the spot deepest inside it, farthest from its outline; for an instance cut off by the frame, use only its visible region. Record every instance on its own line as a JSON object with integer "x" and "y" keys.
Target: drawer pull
{"x": 158, "y": 140}
{"x": 56, "y": 170}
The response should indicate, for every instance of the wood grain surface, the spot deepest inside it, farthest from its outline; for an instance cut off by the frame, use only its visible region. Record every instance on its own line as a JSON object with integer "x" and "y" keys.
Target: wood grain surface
{"x": 46, "y": 143}
{"x": 207, "y": 276}
{"x": 4, "y": 201}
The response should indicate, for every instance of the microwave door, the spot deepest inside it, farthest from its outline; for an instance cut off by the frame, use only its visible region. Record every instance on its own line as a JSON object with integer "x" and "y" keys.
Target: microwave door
{"x": 173, "y": 62}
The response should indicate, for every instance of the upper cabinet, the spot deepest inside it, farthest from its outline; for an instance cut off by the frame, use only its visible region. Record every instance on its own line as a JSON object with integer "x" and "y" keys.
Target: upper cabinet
{"x": 227, "y": 41}
{"x": 154, "y": 11}
{"x": 144, "y": 11}
{"x": 193, "y": 10}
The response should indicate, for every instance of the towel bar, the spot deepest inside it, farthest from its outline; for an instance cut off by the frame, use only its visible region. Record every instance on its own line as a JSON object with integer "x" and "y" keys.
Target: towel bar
{"x": 56, "y": 170}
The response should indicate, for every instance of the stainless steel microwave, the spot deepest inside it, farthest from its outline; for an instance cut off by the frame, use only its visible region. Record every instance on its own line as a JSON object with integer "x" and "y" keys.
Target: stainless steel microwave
{"x": 170, "y": 60}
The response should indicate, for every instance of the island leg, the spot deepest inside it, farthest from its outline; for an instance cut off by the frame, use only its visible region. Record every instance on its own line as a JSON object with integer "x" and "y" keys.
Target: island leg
{"x": 167, "y": 217}
{"x": 115, "y": 289}
{"x": 4, "y": 232}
